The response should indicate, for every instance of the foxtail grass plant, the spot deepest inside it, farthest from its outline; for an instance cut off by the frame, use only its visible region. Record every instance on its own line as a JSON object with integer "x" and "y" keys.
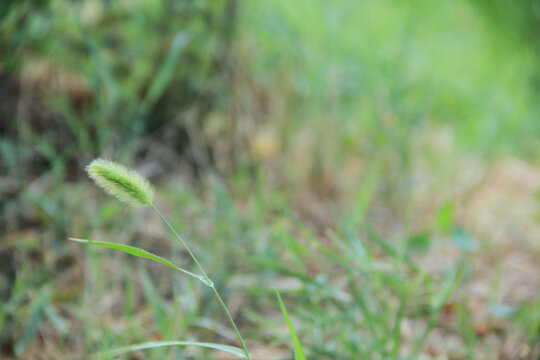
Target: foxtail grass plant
{"x": 130, "y": 187}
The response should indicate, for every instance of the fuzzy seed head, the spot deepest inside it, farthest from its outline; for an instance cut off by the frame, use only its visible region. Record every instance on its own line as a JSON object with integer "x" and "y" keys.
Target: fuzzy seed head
{"x": 124, "y": 184}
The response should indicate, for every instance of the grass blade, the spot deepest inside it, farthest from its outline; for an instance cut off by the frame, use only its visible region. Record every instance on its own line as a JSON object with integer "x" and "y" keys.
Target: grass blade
{"x": 159, "y": 307}
{"x": 164, "y": 74}
{"x": 156, "y": 344}
{"x": 36, "y": 311}
{"x": 298, "y": 353}
{"x": 135, "y": 251}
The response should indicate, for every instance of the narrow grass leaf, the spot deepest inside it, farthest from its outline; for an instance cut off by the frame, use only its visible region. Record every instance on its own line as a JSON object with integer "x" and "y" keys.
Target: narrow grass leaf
{"x": 449, "y": 284}
{"x": 452, "y": 279}
{"x": 298, "y": 353}
{"x": 420, "y": 242}
{"x": 390, "y": 251}
{"x": 444, "y": 219}
{"x": 270, "y": 264}
{"x": 365, "y": 195}
{"x": 306, "y": 279}
{"x": 159, "y": 307}
{"x": 358, "y": 249}
{"x": 36, "y": 311}
{"x": 157, "y": 344}
{"x": 60, "y": 324}
{"x": 166, "y": 70}
{"x": 135, "y": 251}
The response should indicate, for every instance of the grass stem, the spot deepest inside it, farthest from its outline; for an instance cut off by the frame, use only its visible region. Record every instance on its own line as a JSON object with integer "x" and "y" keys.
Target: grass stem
{"x": 208, "y": 282}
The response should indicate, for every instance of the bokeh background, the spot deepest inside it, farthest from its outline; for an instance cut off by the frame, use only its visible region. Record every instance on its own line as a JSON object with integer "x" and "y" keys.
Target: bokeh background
{"x": 377, "y": 162}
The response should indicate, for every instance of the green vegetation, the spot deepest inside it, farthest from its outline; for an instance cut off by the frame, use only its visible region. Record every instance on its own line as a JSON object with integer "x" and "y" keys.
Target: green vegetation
{"x": 130, "y": 187}
{"x": 376, "y": 163}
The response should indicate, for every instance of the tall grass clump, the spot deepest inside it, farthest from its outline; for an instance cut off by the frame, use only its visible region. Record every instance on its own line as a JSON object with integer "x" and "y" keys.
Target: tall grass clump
{"x": 130, "y": 187}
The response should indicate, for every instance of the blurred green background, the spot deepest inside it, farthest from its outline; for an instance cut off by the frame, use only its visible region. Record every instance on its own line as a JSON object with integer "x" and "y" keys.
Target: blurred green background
{"x": 375, "y": 162}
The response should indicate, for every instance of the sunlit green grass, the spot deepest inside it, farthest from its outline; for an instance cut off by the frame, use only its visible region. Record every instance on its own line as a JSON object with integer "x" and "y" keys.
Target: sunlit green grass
{"x": 385, "y": 72}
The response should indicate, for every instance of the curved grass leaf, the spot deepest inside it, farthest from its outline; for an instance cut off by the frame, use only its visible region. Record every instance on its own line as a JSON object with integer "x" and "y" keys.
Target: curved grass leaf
{"x": 156, "y": 344}
{"x": 298, "y": 353}
{"x": 135, "y": 251}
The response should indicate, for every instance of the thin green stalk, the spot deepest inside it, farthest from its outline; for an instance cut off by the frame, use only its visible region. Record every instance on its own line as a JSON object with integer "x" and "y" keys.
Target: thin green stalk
{"x": 208, "y": 282}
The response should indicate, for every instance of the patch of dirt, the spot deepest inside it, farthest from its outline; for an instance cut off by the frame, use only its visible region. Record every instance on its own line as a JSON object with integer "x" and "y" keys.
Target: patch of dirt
{"x": 501, "y": 209}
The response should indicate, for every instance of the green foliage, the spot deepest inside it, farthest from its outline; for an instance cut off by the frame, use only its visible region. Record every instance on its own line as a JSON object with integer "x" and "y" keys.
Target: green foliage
{"x": 106, "y": 73}
{"x": 391, "y": 78}
{"x": 408, "y": 92}
{"x": 298, "y": 352}
{"x": 158, "y": 344}
{"x": 128, "y": 186}
{"x": 517, "y": 20}
{"x": 36, "y": 311}
{"x": 132, "y": 250}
